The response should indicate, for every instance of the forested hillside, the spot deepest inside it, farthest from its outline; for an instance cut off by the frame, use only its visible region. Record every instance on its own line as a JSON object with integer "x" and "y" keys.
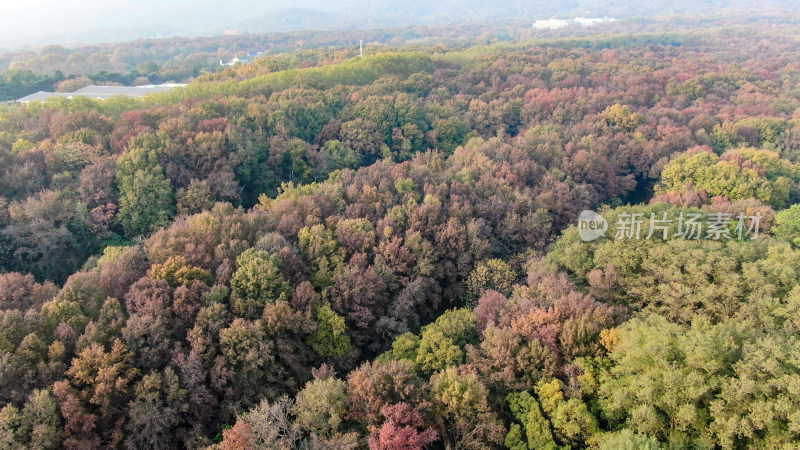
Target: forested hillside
{"x": 66, "y": 68}
{"x": 306, "y": 252}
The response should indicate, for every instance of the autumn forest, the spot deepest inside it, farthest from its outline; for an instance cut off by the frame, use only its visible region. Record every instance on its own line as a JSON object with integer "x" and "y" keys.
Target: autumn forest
{"x": 319, "y": 251}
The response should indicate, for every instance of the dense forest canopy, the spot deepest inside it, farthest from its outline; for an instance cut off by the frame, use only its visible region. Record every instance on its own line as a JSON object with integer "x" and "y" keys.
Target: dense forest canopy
{"x": 315, "y": 250}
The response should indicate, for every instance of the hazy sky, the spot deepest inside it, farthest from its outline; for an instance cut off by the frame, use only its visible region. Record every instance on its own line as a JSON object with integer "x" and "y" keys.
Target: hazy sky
{"x": 32, "y": 21}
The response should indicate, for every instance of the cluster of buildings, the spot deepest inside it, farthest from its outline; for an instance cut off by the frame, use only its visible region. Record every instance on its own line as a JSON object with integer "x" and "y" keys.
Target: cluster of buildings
{"x": 250, "y": 57}
{"x": 101, "y": 92}
{"x": 555, "y": 24}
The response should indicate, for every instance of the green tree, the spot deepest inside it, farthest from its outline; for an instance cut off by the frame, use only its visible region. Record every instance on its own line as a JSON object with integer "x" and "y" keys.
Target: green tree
{"x": 664, "y": 377}
{"x": 146, "y": 197}
{"x": 621, "y": 116}
{"x": 37, "y": 426}
{"x": 330, "y": 338}
{"x": 462, "y": 407}
{"x": 340, "y": 156}
{"x": 256, "y": 282}
{"x": 532, "y": 430}
{"x": 405, "y": 346}
{"x": 738, "y": 174}
{"x": 323, "y": 253}
{"x": 758, "y": 406}
{"x": 450, "y": 133}
{"x": 10, "y": 435}
{"x": 320, "y": 406}
{"x": 494, "y": 274}
{"x": 627, "y": 439}
{"x": 787, "y": 225}
{"x": 436, "y": 351}
{"x": 442, "y": 343}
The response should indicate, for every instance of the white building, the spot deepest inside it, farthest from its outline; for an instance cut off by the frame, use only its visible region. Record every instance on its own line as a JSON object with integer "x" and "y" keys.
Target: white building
{"x": 550, "y": 24}
{"x": 590, "y": 21}
{"x": 555, "y": 24}
{"x": 235, "y": 61}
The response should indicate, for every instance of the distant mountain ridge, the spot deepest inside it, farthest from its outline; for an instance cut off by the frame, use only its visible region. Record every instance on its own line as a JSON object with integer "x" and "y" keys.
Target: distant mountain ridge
{"x": 154, "y": 19}
{"x": 289, "y": 19}
{"x": 361, "y": 14}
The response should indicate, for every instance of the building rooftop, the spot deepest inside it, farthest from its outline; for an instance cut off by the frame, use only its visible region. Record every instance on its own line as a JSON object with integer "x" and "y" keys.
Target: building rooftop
{"x": 236, "y": 60}
{"x": 554, "y": 24}
{"x": 42, "y": 96}
{"x": 102, "y": 92}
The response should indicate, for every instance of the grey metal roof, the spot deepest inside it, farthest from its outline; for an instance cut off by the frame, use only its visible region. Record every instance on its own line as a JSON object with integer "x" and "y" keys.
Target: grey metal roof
{"x": 43, "y": 96}
{"x": 102, "y": 92}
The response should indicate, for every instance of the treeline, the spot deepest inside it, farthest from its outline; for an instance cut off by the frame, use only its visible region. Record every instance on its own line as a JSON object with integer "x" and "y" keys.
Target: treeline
{"x": 380, "y": 253}
{"x": 180, "y": 59}
{"x": 183, "y": 59}
{"x": 14, "y": 85}
{"x": 17, "y": 84}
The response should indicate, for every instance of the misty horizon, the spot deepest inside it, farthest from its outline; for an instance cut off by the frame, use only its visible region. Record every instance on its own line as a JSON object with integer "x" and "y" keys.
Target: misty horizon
{"x": 38, "y": 23}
